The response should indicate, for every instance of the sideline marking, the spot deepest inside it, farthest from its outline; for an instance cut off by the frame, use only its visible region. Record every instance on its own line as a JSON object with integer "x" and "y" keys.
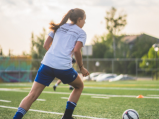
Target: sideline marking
{"x": 100, "y": 97}
{"x": 154, "y": 95}
{"x": 114, "y": 88}
{"x": 16, "y": 84}
{"x": 64, "y": 98}
{"x": 87, "y": 94}
{"x": 53, "y": 112}
{"x": 144, "y": 89}
{"x": 5, "y": 101}
{"x": 40, "y": 99}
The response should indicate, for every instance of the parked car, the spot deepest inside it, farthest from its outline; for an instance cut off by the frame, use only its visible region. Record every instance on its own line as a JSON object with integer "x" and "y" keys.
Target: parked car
{"x": 92, "y": 75}
{"x": 122, "y": 77}
{"x": 106, "y": 77}
{"x": 98, "y": 76}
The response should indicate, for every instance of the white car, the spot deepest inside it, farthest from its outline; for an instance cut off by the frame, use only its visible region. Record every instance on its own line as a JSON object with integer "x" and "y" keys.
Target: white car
{"x": 92, "y": 75}
{"x": 122, "y": 77}
{"x": 98, "y": 76}
{"x": 106, "y": 77}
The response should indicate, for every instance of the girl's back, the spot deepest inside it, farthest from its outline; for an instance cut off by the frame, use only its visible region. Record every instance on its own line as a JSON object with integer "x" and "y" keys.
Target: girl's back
{"x": 59, "y": 54}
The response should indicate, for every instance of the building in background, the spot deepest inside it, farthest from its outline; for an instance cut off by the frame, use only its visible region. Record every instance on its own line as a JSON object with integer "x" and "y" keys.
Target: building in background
{"x": 131, "y": 39}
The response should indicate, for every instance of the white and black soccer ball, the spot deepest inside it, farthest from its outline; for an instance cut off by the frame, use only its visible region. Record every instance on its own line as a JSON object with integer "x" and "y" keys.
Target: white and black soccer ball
{"x": 130, "y": 114}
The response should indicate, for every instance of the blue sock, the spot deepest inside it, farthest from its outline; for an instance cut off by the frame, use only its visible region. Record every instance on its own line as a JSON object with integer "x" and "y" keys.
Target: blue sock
{"x": 69, "y": 109}
{"x": 20, "y": 113}
{"x": 70, "y": 105}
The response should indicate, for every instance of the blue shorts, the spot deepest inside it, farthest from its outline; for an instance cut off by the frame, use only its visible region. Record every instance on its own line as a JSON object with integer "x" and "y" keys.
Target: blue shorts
{"x": 47, "y": 74}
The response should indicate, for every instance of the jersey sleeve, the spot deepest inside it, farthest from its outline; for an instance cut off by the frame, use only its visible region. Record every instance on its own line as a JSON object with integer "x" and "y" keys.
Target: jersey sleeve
{"x": 82, "y": 37}
{"x": 51, "y": 34}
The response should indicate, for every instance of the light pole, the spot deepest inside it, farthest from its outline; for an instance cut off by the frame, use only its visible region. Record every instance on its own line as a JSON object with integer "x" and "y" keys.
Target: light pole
{"x": 156, "y": 48}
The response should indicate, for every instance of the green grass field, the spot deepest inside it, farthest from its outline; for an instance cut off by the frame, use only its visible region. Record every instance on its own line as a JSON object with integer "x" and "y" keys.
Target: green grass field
{"x": 98, "y": 100}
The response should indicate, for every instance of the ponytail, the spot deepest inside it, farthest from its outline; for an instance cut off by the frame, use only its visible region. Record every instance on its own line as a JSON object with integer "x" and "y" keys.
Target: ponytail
{"x": 54, "y": 26}
{"x": 72, "y": 14}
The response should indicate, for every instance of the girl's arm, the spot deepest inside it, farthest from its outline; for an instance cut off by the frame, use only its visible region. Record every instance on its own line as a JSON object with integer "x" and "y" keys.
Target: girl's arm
{"x": 78, "y": 56}
{"x": 48, "y": 42}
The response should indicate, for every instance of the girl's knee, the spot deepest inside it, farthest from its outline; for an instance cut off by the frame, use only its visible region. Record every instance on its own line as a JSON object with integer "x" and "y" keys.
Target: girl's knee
{"x": 80, "y": 86}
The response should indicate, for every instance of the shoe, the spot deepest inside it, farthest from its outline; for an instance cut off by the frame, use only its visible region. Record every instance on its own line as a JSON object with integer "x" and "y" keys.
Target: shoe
{"x": 66, "y": 118}
{"x": 54, "y": 87}
{"x": 71, "y": 88}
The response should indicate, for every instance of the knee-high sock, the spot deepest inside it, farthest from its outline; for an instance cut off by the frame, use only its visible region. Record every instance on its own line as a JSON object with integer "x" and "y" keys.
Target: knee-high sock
{"x": 69, "y": 109}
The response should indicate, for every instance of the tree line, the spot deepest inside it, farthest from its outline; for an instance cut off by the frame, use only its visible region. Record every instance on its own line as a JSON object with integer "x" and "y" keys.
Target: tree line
{"x": 108, "y": 45}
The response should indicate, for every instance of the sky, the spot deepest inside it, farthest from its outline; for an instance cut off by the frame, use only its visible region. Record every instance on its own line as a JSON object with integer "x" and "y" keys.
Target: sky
{"x": 19, "y": 18}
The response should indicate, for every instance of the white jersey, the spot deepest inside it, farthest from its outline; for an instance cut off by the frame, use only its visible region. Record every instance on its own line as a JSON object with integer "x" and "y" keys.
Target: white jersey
{"x": 59, "y": 54}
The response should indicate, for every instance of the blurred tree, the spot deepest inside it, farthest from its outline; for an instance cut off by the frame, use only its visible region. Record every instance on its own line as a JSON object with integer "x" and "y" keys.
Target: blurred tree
{"x": 139, "y": 49}
{"x": 113, "y": 45}
{"x": 115, "y": 24}
{"x": 10, "y": 52}
{"x": 151, "y": 54}
{"x": 102, "y": 47}
{"x": 99, "y": 48}
{"x": 37, "y": 50}
{"x": 149, "y": 62}
{"x": 143, "y": 42}
{"x": 24, "y": 53}
{"x": 1, "y": 51}
{"x": 135, "y": 48}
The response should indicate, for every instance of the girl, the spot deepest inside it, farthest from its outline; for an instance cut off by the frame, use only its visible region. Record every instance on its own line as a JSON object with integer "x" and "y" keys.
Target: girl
{"x": 64, "y": 40}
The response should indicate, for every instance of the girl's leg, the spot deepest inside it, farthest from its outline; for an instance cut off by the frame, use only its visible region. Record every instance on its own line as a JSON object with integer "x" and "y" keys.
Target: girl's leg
{"x": 57, "y": 83}
{"x": 74, "y": 97}
{"x": 70, "y": 87}
{"x": 36, "y": 90}
{"x": 25, "y": 104}
{"x": 78, "y": 87}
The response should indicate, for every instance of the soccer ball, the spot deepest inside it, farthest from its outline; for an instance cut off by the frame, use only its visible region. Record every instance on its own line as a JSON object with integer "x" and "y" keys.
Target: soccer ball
{"x": 130, "y": 114}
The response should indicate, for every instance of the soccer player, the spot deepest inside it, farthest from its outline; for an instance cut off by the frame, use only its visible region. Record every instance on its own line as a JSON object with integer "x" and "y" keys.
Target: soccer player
{"x": 64, "y": 40}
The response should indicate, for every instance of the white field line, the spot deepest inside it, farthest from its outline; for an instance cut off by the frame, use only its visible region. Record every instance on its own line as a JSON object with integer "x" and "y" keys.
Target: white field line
{"x": 5, "y": 101}
{"x": 40, "y": 99}
{"x": 30, "y": 84}
{"x": 53, "y": 112}
{"x": 87, "y": 94}
{"x": 64, "y": 98}
{"x": 15, "y": 84}
{"x": 100, "y": 97}
{"x": 154, "y": 95}
{"x": 14, "y": 90}
{"x": 151, "y": 97}
{"x": 124, "y": 96}
{"x": 113, "y": 88}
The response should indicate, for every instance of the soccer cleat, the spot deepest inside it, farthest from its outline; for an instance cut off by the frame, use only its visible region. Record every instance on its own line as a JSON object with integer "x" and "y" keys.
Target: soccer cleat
{"x": 54, "y": 87}
{"x": 71, "y": 88}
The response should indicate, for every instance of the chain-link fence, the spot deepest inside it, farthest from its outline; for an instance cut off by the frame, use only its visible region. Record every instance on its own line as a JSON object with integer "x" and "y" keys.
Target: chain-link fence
{"x": 24, "y": 70}
{"x": 138, "y": 68}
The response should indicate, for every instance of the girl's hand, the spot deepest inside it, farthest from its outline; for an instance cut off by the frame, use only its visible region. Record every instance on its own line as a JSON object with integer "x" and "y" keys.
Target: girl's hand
{"x": 84, "y": 71}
